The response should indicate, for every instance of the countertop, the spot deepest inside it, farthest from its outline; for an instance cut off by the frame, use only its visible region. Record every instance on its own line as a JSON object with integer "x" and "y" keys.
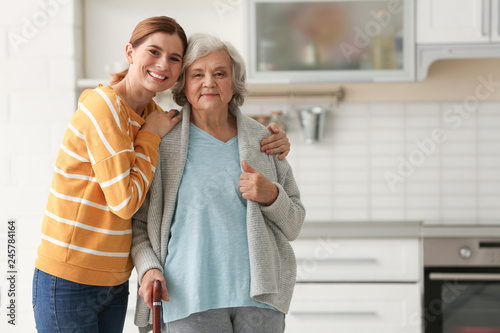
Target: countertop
{"x": 394, "y": 229}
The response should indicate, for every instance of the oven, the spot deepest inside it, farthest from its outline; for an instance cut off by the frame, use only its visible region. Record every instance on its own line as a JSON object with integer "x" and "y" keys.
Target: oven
{"x": 461, "y": 285}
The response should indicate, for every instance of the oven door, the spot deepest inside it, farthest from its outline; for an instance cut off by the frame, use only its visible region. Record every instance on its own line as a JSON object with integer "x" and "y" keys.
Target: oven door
{"x": 462, "y": 300}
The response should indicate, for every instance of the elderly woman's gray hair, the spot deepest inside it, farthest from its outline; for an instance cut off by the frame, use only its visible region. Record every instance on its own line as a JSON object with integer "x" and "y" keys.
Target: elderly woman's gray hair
{"x": 201, "y": 45}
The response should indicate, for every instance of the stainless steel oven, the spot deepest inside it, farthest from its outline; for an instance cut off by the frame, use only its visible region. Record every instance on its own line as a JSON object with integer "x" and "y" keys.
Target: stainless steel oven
{"x": 462, "y": 285}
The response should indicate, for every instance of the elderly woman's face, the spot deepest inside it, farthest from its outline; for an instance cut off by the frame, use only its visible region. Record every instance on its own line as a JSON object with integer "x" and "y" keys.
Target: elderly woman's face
{"x": 209, "y": 83}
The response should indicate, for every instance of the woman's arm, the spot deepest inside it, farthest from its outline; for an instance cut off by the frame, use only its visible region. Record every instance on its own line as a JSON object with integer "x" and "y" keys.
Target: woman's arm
{"x": 142, "y": 252}
{"x": 145, "y": 259}
{"x": 276, "y": 143}
{"x": 123, "y": 169}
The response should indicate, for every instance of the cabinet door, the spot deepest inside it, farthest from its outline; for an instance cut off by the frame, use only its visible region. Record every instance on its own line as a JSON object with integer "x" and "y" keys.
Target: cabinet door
{"x": 355, "y": 308}
{"x": 453, "y": 21}
{"x": 297, "y": 41}
{"x": 363, "y": 260}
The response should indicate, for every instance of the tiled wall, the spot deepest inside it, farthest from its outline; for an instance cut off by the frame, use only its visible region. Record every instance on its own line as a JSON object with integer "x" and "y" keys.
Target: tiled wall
{"x": 37, "y": 99}
{"x": 435, "y": 162}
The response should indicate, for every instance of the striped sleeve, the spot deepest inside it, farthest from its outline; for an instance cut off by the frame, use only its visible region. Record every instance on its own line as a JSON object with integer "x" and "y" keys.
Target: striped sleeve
{"x": 124, "y": 168}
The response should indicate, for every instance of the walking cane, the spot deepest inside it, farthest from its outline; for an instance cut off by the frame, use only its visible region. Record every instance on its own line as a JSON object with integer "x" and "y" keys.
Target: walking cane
{"x": 157, "y": 306}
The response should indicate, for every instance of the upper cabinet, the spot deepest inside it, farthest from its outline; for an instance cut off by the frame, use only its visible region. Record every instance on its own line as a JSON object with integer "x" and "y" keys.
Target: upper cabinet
{"x": 457, "y": 21}
{"x": 448, "y": 29}
{"x": 300, "y": 41}
{"x": 331, "y": 41}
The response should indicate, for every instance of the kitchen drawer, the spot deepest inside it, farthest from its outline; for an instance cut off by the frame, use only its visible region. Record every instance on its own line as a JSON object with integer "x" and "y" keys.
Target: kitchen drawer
{"x": 387, "y": 260}
{"x": 355, "y": 308}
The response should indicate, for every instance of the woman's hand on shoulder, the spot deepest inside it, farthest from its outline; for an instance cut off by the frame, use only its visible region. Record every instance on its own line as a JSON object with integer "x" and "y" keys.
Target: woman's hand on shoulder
{"x": 256, "y": 187}
{"x": 276, "y": 143}
{"x": 146, "y": 289}
{"x": 161, "y": 123}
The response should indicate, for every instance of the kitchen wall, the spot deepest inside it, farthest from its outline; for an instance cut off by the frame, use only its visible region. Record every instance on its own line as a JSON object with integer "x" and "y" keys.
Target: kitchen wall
{"x": 37, "y": 99}
{"x": 403, "y": 159}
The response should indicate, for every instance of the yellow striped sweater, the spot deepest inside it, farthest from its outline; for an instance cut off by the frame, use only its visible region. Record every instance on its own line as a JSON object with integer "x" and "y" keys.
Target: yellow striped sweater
{"x": 102, "y": 173}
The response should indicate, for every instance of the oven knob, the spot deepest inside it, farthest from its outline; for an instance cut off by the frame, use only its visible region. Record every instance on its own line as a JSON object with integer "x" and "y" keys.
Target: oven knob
{"x": 465, "y": 252}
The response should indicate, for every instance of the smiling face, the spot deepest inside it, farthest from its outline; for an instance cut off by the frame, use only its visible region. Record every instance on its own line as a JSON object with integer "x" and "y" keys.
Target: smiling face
{"x": 209, "y": 83}
{"x": 156, "y": 63}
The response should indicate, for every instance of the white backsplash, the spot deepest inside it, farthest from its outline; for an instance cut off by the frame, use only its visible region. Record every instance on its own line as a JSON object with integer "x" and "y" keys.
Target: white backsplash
{"x": 451, "y": 162}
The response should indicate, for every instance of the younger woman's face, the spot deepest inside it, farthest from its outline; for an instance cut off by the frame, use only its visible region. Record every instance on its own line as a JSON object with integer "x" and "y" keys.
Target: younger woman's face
{"x": 156, "y": 63}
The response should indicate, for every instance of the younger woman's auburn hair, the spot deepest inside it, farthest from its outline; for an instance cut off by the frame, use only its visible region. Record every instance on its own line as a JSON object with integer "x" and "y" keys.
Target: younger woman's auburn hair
{"x": 147, "y": 27}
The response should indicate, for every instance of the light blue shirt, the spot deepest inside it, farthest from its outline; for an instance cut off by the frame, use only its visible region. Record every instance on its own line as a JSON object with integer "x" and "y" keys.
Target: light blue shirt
{"x": 207, "y": 264}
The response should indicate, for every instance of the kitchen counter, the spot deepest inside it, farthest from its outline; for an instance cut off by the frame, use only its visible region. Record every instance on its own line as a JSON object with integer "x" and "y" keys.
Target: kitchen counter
{"x": 399, "y": 229}
{"x": 393, "y": 229}
{"x": 463, "y": 231}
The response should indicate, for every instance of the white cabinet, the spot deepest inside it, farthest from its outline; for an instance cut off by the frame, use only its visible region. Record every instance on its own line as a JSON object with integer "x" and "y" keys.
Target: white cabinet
{"x": 456, "y": 29}
{"x": 296, "y": 41}
{"x": 357, "y": 260}
{"x": 457, "y": 21}
{"x": 355, "y": 308}
{"x": 356, "y": 285}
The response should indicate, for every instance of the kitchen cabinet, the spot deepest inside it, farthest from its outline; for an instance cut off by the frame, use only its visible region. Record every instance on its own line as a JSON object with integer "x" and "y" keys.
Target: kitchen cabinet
{"x": 282, "y": 41}
{"x": 357, "y": 260}
{"x": 454, "y": 29}
{"x": 355, "y": 308}
{"x": 330, "y": 41}
{"x": 457, "y": 21}
{"x": 356, "y": 285}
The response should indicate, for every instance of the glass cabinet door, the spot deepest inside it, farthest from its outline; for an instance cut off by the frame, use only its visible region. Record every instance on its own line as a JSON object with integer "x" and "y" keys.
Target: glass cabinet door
{"x": 331, "y": 41}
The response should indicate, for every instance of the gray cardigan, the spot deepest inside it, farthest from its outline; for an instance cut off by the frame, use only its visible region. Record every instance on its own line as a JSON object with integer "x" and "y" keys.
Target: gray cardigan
{"x": 269, "y": 228}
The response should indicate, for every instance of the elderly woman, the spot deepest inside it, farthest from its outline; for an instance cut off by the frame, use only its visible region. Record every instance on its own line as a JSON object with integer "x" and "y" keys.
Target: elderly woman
{"x": 217, "y": 237}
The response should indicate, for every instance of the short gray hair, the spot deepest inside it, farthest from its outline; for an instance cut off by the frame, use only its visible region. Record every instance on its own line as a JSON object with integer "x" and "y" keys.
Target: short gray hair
{"x": 201, "y": 45}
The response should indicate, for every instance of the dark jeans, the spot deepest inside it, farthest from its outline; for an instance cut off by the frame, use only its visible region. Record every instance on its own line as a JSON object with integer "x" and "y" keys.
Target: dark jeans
{"x": 64, "y": 306}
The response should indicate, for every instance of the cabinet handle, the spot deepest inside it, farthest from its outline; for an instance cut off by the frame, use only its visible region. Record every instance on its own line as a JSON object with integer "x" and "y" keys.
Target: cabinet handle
{"x": 334, "y": 313}
{"x": 486, "y": 18}
{"x": 465, "y": 276}
{"x": 498, "y": 18}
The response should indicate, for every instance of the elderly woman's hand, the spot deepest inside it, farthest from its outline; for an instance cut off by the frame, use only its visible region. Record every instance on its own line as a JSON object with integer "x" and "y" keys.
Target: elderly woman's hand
{"x": 277, "y": 143}
{"x": 256, "y": 187}
{"x": 146, "y": 289}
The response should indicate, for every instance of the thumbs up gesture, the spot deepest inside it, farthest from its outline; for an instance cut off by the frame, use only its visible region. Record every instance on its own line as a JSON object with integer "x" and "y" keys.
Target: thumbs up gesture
{"x": 256, "y": 187}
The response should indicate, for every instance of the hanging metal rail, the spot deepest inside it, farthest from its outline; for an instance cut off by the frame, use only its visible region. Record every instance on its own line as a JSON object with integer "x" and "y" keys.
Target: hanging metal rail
{"x": 338, "y": 94}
